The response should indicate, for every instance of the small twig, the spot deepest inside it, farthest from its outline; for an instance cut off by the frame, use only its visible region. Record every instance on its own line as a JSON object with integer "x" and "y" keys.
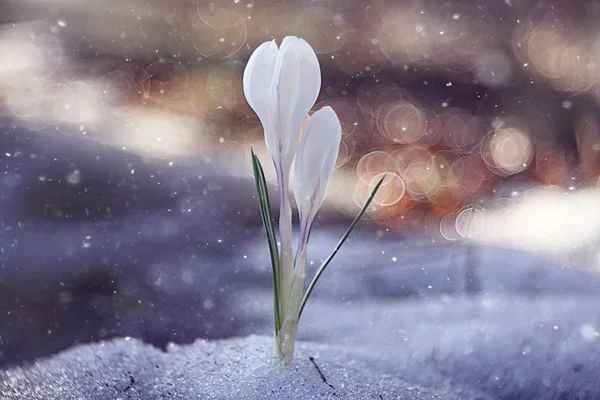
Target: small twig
{"x": 312, "y": 360}
{"x": 131, "y": 383}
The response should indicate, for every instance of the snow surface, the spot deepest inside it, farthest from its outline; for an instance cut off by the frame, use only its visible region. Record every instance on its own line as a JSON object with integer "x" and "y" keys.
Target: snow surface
{"x": 222, "y": 369}
{"x": 470, "y": 347}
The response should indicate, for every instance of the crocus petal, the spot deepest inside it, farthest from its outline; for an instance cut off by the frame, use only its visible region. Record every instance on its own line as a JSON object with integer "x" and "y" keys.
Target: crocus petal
{"x": 329, "y": 163}
{"x": 315, "y": 161}
{"x": 281, "y": 85}
{"x": 258, "y": 76}
{"x": 295, "y": 90}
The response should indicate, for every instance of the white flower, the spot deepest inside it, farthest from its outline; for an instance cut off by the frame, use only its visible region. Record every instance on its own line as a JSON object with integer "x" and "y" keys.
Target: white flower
{"x": 281, "y": 85}
{"x": 315, "y": 161}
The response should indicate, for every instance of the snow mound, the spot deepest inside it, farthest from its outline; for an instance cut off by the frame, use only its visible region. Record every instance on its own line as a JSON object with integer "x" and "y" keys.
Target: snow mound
{"x": 221, "y": 369}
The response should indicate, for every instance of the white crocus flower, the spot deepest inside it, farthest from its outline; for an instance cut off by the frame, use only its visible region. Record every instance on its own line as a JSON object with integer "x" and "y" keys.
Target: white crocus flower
{"x": 281, "y": 85}
{"x": 315, "y": 161}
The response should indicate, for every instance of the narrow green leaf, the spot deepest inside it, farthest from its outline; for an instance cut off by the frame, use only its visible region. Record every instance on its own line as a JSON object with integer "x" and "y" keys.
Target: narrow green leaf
{"x": 267, "y": 220}
{"x": 314, "y": 280}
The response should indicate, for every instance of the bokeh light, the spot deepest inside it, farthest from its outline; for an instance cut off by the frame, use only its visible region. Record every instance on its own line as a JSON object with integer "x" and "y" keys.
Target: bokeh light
{"x": 449, "y": 101}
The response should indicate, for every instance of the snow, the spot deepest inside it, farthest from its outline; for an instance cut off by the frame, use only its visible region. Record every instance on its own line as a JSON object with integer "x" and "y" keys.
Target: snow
{"x": 488, "y": 346}
{"x": 222, "y": 369}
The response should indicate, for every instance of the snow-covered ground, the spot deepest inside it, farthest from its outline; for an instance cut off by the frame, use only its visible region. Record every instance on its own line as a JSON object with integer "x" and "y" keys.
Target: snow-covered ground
{"x": 173, "y": 254}
{"x": 224, "y": 369}
{"x": 510, "y": 346}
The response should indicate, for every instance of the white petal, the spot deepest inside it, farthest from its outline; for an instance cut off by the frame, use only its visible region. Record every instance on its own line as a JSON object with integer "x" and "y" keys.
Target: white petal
{"x": 315, "y": 161}
{"x": 296, "y": 87}
{"x": 258, "y": 76}
{"x": 329, "y": 164}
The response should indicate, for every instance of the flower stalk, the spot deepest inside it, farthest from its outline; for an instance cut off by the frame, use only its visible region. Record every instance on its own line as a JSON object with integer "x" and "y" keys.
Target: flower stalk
{"x": 281, "y": 84}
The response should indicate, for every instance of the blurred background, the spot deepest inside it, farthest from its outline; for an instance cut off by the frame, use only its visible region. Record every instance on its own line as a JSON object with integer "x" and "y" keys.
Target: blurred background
{"x": 127, "y": 197}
